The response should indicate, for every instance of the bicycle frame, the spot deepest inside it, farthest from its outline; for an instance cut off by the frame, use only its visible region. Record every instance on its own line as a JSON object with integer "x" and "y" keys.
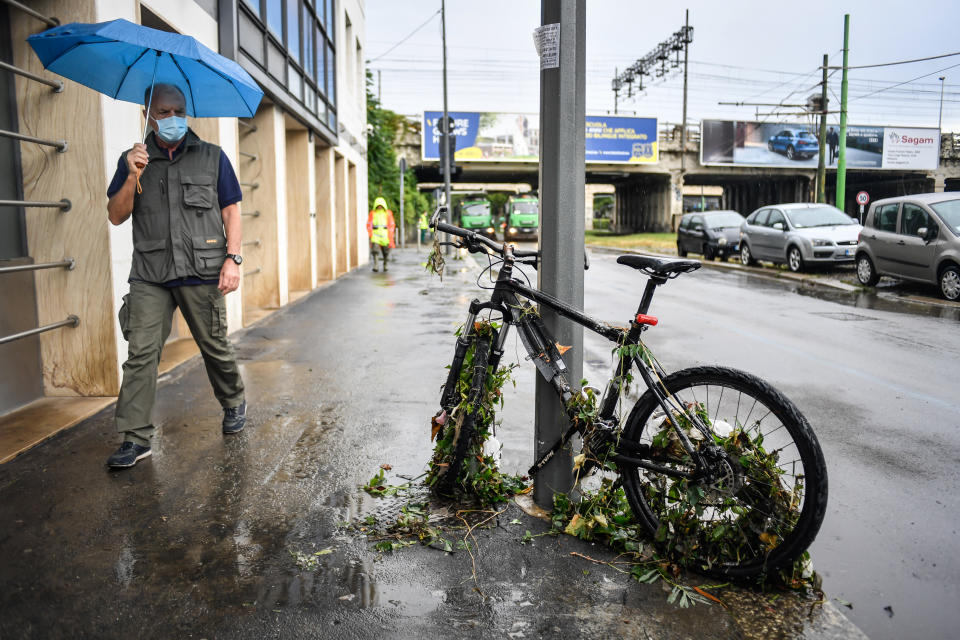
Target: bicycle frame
{"x": 508, "y": 299}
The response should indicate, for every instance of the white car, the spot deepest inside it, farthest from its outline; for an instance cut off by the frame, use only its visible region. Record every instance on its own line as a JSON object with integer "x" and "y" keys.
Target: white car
{"x": 799, "y": 235}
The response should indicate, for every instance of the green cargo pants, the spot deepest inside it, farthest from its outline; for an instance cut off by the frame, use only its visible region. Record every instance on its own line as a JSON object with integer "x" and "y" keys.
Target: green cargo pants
{"x": 145, "y": 320}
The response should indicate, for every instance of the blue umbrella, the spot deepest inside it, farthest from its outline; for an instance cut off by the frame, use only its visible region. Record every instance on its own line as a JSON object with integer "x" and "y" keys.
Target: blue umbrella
{"x": 122, "y": 59}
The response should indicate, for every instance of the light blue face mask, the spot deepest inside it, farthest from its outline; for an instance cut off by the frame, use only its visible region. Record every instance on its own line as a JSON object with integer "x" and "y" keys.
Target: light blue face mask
{"x": 172, "y": 129}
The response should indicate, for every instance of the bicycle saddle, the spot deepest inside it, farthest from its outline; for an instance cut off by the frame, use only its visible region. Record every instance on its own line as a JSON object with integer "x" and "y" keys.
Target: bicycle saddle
{"x": 663, "y": 267}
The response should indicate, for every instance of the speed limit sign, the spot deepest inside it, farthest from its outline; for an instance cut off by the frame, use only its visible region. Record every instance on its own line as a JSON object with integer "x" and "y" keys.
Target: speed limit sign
{"x": 863, "y": 198}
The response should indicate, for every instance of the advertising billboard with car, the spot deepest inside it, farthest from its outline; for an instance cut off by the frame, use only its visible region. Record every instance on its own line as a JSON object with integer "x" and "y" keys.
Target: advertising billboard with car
{"x": 515, "y": 137}
{"x": 791, "y": 145}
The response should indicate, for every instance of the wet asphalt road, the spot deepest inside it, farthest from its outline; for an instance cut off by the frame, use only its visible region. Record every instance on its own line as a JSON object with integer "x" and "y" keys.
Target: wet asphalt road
{"x": 197, "y": 541}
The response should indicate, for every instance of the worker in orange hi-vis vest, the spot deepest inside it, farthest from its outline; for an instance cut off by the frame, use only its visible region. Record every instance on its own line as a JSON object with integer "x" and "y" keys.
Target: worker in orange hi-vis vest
{"x": 380, "y": 228}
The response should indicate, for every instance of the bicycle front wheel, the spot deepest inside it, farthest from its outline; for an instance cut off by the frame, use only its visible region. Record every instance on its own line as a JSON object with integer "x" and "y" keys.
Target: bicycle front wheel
{"x": 464, "y": 430}
{"x": 764, "y": 496}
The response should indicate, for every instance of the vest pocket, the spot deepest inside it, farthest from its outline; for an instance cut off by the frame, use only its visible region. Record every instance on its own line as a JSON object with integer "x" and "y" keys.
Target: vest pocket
{"x": 209, "y": 253}
{"x": 197, "y": 192}
{"x": 151, "y": 259}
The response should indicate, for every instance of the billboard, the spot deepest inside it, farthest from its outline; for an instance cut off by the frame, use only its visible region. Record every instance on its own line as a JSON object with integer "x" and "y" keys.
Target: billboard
{"x": 515, "y": 137}
{"x": 793, "y": 145}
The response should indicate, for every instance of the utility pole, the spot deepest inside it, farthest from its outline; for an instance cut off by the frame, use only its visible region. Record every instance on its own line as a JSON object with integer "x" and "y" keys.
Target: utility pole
{"x": 683, "y": 127}
{"x": 940, "y": 119}
{"x": 821, "y": 164}
{"x": 616, "y": 93}
{"x": 562, "y": 113}
{"x": 403, "y": 236}
{"x": 445, "y": 123}
{"x": 842, "y": 158}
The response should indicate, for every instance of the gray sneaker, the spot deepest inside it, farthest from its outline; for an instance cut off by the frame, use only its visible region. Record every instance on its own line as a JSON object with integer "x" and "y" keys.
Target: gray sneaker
{"x": 234, "y": 418}
{"x": 127, "y": 455}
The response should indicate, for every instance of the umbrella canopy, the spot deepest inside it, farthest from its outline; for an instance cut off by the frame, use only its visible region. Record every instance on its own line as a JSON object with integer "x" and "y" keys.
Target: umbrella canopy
{"x": 122, "y": 59}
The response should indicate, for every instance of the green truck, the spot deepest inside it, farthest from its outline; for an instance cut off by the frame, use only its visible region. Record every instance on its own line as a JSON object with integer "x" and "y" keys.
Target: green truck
{"x": 522, "y": 218}
{"x": 475, "y": 215}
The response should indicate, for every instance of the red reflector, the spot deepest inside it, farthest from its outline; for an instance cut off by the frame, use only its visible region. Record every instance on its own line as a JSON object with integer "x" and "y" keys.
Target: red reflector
{"x": 645, "y": 319}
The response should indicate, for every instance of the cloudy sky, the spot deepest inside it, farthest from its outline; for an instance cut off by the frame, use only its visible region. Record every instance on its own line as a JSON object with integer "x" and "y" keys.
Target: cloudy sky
{"x": 742, "y": 51}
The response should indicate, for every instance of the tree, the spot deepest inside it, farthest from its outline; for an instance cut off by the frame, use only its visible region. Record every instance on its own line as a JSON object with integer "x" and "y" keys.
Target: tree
{"x": 383, "y": 172}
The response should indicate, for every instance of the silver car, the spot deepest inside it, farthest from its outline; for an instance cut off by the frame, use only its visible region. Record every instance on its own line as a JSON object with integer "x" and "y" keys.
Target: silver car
{"x": 915, "y": 238}
{"x": 799, "y": 235}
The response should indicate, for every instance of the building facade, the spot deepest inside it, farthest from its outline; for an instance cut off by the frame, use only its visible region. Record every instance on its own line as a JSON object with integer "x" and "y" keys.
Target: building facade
{"x": 301, "y": 161}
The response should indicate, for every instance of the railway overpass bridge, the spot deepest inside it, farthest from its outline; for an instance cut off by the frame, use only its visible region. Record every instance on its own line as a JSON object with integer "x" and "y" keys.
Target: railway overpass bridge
{"x": 649, "y": 197}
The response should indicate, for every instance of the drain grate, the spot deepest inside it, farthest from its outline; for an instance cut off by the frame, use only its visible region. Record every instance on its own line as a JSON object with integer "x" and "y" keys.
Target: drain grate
{"x": 844, "y": 316}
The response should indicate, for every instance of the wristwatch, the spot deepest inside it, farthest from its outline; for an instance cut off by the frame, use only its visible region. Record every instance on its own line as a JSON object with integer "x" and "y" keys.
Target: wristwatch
{"x": 235, "y": 257}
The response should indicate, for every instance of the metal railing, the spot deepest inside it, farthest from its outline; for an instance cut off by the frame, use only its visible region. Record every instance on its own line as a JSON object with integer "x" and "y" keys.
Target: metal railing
{"x": 252, "y": 214}
{"x": 61, "y": 145}
{"x": 250, "y": 127}
{"x": 71, "y": 321}
{"x": 67, "y": 263}
{"x": 56, "y": 84}
{"x": 64, "y": 204}
{"x": 252, "y": 243}
{"x": 252, "y": 185}
{"x": 252, "y": 156}
{"x": 252, "y": 271}
{"x": 51, "y": 22}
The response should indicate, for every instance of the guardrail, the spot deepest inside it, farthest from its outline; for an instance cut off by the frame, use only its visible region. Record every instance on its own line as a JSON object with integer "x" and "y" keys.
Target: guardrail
{"x": 56, "y": 84}
{"x": 67, "y": 263}
{"x": 61, "y": 145}
{"x": 71, "y": 321}
{"x": 64, "y": 204}
{"x": 51, "y": 22}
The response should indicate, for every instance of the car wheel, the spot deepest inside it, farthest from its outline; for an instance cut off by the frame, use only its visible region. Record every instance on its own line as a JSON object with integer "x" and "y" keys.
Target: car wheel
{"x": 950, "y": 283}
{"x": 866, "y": 273}
{"x": 746, "y": 257}
{"x": 709, "y": 253}
{"x": 794, "y": 259}
{"x": 770, "y": 145}
{"x": 681, "y": 251}
{"x": 791, "y": 154}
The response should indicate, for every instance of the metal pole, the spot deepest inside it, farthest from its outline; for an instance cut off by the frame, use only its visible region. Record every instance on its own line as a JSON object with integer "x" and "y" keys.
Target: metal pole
{"x": 444, "y": 139}
{"x": 50, "y": 22}
{"x": 683, "y": 127}
{"x": 562, "y": 113}
{"x": 61, "y": 145}
{"x": 616, "y": 93}
{"x": 72, "y": 321}
{"x": 63, "y": 205}
{"x": 403, "y": 170}
{"x": 842, "y": 158}
{"x": 940, "y": 119}
{"x": 821, "y": 163}
{"x": 67, "y": 263}
{"x": 56, "y": 84}
{"x": 247, "y": 154}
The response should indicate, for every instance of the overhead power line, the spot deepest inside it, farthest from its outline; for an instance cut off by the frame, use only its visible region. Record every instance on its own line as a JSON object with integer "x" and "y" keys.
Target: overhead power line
{"x": 891, "y": 64}
{"x": 860, "y": 97}
{"x": 408, "y": 36}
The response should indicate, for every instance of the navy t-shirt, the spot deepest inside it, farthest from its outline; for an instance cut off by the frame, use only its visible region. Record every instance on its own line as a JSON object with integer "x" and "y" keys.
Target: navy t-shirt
{"x": 228, "y": 193}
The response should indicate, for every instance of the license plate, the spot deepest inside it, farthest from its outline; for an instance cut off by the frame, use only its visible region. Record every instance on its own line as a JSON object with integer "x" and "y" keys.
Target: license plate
{"x": 849, "y": 252}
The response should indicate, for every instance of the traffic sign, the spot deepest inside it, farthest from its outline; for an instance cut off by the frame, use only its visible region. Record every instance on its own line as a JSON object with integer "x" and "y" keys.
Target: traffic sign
{"x": 863, "y": 198}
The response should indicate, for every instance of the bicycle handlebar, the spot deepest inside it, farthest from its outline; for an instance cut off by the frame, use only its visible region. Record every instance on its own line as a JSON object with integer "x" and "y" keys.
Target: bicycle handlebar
{"x": 473, "y": 238}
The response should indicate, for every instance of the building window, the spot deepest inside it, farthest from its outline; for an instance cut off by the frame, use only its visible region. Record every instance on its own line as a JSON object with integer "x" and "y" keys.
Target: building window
{"x": 293, "y": 46}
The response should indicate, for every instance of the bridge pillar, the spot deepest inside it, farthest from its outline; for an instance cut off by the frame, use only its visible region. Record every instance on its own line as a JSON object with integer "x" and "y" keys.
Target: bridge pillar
{"x": 675, "y": 207}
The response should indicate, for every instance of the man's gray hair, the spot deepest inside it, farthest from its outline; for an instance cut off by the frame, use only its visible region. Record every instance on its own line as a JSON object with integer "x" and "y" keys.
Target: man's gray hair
{"x": 162, "y": 88}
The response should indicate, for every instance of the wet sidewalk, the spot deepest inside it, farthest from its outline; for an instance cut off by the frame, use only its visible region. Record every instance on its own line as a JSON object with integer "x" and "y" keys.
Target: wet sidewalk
{"x": 201, "y": 540}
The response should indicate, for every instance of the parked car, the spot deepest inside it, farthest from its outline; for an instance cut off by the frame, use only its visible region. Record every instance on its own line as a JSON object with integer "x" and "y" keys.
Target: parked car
{"x": 915, "y": 238}
{"x": 794, "y": 144}
{"x": 710, "y": 233}
{"x": 799, "y": 235}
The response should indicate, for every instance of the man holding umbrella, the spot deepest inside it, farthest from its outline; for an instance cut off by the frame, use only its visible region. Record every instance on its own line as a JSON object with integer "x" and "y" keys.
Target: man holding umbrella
{"x": 184, "y": 198}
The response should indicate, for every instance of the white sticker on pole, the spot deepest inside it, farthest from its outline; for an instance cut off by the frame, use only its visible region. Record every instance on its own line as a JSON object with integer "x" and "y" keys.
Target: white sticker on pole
{"x": 547, "y": 40}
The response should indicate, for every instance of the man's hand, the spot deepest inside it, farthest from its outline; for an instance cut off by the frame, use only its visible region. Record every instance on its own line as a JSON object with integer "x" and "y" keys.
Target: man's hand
{"x": 137, "y": 158}
{"x": 229, "y": 277}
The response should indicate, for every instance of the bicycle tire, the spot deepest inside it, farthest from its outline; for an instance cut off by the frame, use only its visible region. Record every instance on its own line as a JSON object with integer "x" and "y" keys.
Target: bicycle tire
{"x": 645, "y": 489}
{"x": 467, "y": 432}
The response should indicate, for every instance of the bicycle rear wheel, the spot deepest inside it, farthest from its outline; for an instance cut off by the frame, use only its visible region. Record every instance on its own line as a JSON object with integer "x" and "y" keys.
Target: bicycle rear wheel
{"x": 767, "y": 496}
{"x": 463, "y": 423}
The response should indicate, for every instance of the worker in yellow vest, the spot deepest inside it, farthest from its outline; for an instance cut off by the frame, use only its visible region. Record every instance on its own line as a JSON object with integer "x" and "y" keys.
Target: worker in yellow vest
{"x": 424, "y": 227}
{"x": 380, "y": 228}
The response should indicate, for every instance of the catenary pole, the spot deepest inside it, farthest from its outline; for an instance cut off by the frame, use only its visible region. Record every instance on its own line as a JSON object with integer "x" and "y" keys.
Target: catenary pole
{"x": 683, "y": 127}
{"x": 821, "y": 164}
{"x": 444, "y": 125}
{"x": 842, "y": 158}
{"x": 403, "y": 235}
{"x": 562, "y": 113}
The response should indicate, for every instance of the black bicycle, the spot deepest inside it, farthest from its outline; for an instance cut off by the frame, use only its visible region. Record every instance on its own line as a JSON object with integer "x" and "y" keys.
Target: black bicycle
{"x": 715, "y": 462}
